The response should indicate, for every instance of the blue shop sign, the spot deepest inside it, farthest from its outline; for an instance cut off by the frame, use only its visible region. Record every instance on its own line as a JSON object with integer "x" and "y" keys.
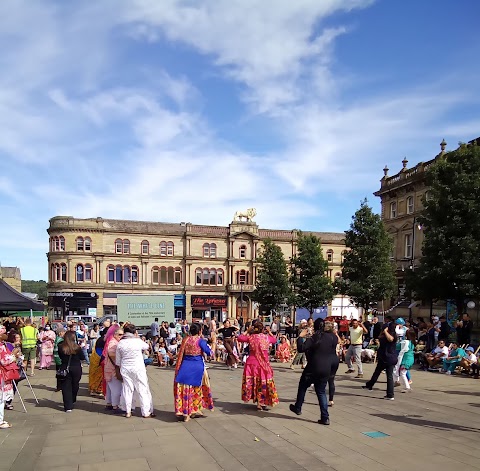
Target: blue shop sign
{"x": 179, "y": 300}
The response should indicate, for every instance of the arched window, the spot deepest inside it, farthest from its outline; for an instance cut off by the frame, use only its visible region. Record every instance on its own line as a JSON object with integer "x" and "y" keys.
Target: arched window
{"x": 126, "y": 274}
{"x": 393, "y": 210}
{"x": 56, "y": 243}
{"x": 145, "y": 247}
{"x": 163, "y": 248}
{"x": 198, "y": 276}
{"x": 206, "y": 276}
{"x": 329, "y": 255}
{"x": 213, "y": 277}
{"x": 155, "y": 275}
{"x": 126, "y": 246}
{"x": 338, "y": 275}
{"x": 134, "y": 274}
{"x": 213, "y": 250}
{"x": 59, "y": 272}
{"x": 170, "y": 276}
{"x": 206, "y": 250}
{"x": 87, "y": 244}
{"x": 220, "y": 277}
{"x": 410, "y": 205}
{"x": 243, "y": 251}
{"x": 178, "y": 276}
{"x": 118, "y": 246}
{"x": 242, "y": 277}
{"x": 52, "y": 273}
{"x": 79, "y": 242}
{"x": 88, "y": 272}
{"x": 119, "y": 274}
{"x": 111, "y": 274}
{"x": 79, "y": 273}
{"x": 62, "y": 243}
{"x": 163, "y": 275}
{"x": 170, "y": 249}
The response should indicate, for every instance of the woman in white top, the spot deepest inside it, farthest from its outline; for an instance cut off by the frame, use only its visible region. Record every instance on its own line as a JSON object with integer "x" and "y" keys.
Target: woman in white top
{"x": 129, "y": 357}
{"x": 172, "y": 332}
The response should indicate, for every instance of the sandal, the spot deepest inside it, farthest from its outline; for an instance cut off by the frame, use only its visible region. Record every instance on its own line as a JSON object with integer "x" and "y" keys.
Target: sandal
{"x": 5, "y": 425}
{"x": 9, "y": 407}
{"x": 127, "y": 415}
{"x": 331, "y": 403}
{"x": 149, "y": 416}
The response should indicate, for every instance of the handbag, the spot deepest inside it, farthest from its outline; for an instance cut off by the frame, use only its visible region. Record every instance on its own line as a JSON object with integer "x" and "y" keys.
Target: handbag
{"x": 118, "y": 375}
{"x": 11, "y": 372}
{"x": 63, "y": 372}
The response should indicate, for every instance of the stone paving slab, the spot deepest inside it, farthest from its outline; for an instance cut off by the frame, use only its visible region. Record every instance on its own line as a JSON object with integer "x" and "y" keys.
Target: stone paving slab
{"x": 435, "y": 426}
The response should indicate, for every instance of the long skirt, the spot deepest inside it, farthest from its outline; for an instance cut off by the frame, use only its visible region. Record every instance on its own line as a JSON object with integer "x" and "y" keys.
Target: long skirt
{"x": 95, "y": 374}
{"x": 192, "y": 399}
{"x": 257, "y": 385}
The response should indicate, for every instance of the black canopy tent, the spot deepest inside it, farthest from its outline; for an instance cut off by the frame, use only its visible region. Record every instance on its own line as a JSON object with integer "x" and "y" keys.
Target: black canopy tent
{"x": 13, "y": 301}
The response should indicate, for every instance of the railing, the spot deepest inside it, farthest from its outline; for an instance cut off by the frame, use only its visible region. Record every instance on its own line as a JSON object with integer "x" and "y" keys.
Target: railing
{"x": 244, "y": 288}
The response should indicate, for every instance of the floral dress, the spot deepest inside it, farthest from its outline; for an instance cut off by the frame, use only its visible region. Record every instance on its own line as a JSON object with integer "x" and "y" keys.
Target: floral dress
{"x": 257, "y": 383}
{"x": 6, "y": 387}
{"x": 191, "y": 387}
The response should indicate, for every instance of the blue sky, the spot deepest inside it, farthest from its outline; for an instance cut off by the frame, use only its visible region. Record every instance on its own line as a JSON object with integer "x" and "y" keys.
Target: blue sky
{"x": 190, "y": 110}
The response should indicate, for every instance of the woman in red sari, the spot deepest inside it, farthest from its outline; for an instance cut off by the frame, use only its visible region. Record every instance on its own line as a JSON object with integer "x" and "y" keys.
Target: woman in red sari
{"x": 283, "y": 351}
{"x": 257, "y": 384}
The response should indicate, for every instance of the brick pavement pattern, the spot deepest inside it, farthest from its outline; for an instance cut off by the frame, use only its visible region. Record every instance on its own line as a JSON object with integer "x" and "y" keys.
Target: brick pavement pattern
{"x": 437, "y": 426}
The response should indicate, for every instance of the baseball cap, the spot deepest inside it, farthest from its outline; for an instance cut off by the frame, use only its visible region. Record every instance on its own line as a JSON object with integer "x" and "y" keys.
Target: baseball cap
{"x": 400, "y": 321}
{"x": 470, "y": 349}
{"x": 303, "y": 321}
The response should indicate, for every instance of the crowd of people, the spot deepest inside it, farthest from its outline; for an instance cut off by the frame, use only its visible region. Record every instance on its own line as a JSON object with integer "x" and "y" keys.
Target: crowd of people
{"x": 117, "y": 357}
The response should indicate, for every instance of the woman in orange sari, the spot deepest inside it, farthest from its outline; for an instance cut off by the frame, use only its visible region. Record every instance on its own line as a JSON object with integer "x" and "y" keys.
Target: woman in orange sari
{"x": 191, "y": 387}
{"x": 283, "y": 351}
{"x": 257, "y": 383}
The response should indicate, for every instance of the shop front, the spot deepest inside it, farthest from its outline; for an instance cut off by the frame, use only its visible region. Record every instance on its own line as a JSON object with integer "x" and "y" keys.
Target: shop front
{"x": 179, "y": 306}
{"x": 214, "y": 307}
{"x": 65, "y": 303}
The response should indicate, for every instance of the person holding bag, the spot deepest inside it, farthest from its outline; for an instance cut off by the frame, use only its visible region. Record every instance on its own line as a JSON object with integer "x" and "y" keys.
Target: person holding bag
{"x": 8, "y": 372}
{"x": 70, "y": 369}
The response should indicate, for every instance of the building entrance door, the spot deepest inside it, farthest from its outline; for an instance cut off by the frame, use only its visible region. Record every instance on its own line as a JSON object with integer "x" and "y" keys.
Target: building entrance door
{"x": 243, "y": 307}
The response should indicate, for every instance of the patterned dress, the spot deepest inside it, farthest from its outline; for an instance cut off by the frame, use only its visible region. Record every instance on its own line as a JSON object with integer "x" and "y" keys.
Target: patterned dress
{"x": 257, "y": 384}
{"x": 191, "y": 387}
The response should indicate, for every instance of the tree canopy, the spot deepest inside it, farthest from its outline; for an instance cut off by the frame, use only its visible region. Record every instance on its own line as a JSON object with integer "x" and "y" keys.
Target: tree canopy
{"x": 367, "y": 273}
{"x": 312, "y": 286}
{"x": 272, "y": 286}
{"x": 450, "y": 262}
{"x": 37, "y": 287}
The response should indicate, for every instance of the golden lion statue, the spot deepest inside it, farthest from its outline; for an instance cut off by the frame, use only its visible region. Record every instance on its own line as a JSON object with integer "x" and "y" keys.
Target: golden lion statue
{"x": 248, "y": 215}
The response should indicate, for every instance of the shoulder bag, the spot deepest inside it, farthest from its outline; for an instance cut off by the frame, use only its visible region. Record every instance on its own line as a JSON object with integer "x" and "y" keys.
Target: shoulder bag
{"x": 63, "y": 372}
{"x": 11, "y": 372}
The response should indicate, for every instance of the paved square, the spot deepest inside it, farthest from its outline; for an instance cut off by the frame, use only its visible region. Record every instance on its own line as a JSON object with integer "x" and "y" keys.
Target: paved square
{"x": 437, "y": 426}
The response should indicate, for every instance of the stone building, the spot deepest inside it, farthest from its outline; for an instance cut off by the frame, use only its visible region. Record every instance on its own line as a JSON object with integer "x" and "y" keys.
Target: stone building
{"x": 12, "y": 276}
{"x": 209, "y": 269}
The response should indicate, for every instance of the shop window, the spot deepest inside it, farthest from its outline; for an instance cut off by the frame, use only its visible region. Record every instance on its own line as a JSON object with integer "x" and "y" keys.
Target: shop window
{"x": 243, "y": 251}
{"x": 393, "y": 210}
{"x": 329, "y": 255}
{"x": 410, "y": 205}
{"x": 145, "y": 247}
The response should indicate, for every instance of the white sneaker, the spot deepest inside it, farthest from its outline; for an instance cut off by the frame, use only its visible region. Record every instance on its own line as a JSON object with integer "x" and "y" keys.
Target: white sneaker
{"x": 235, "y": 366}
{"x": 448, "y": 372}
{"x": 69, "y": 410}
{"x": 389, "y": 398}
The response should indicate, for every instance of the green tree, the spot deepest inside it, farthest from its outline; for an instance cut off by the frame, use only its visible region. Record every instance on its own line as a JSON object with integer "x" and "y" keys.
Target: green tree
{"x": 272, "y": 287}
{"x": 450, "y": 263}
{"x": 312, "y": 287}
{"x": 37, "y": 287}
{"x": 367, "y": 273}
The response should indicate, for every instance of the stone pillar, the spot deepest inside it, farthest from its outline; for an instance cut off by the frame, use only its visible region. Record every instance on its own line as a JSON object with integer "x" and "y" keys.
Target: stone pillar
{"x": 100, "y": 304}
{"x": 188, "y": 308}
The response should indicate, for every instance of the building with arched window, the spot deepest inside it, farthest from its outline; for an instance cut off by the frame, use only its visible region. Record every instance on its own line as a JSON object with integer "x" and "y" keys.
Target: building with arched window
{"x": 211, "y": 270}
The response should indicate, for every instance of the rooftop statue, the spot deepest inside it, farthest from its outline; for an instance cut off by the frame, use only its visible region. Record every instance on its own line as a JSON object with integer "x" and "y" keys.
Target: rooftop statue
{"x": 248, "y": 215}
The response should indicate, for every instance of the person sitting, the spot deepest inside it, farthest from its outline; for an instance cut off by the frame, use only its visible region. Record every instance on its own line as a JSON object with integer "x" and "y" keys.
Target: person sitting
{"x": 220, "y": 351}
{"x": 435, "y": 357}
{"x": 172, "y": 352}
{"x": 283, "y": 354}
{"x": 453, "y": 359}
{"x": 419, "y": 350}
{"x": 162, "y": 354}
{"x": 469, "y": 360}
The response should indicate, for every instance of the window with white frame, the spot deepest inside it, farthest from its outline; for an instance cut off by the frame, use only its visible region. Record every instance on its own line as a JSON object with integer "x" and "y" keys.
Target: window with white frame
{"x": 242, "y": 277}
{"x": 79, "y": 273}
{"x": 410, "y": 205}
{"x": 126, "y": 246}
{"x": 208, "y": 276}
{"x": 119, "y": 246}
{"x": 329, "y": 255}
{"x": 79, "y": 241}
{"x": 213, "y": 250}
{"x": 88, "y": 270}
{"x": 87, "y": 244}
{"x": 393, "y": 210}
{"x": 170, "y": 249}
{"x": 206, "y": 250}
{"x": 58, "y": 272}
{"x": 145, "y": 247}
{"x": 408, "y": 246}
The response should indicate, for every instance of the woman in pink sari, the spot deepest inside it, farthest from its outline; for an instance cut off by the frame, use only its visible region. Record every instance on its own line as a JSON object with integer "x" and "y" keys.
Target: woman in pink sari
{"x": 47, "y": 337}
{"x": 283, "y": 351}
{"x": 257, "y": 384}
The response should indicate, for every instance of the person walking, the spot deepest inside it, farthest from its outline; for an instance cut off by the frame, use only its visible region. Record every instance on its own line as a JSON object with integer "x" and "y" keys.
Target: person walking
{"x": 47, "y": 339}
{"x": 29, "y": 335}
{"x": 387, "y": 357}
{"x": 71, "y": 355}
{"x": 191, "y": 385}
{"x": 154, "y": 328}
{"x": 257, "y": 382}
{"x": 405, "y": 360}
{"x": 56, "y": 357}
{"x": 322, "y": 365}
{"x": 228, "y": 332}
{"x": 129, "y": 358}
{"x": 357, "y": 330}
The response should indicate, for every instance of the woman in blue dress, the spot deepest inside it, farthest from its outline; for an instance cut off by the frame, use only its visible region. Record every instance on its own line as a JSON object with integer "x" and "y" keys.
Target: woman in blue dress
{"x": 191, "y": 387}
